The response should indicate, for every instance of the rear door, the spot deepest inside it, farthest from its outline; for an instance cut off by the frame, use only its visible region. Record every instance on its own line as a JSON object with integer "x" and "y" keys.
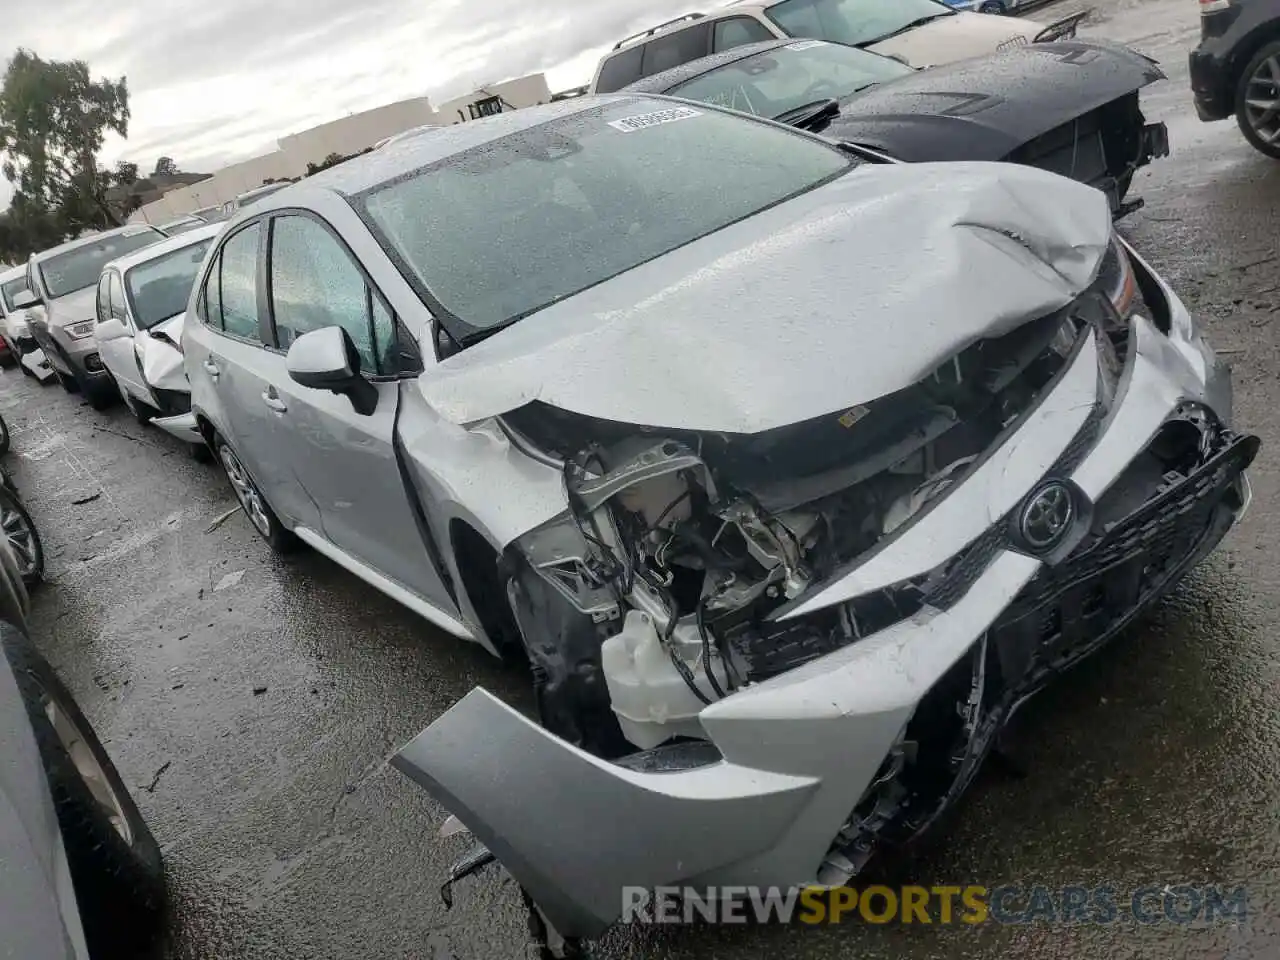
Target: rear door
{"x": 234, "y": 365}
{"x": 347, "y": 462}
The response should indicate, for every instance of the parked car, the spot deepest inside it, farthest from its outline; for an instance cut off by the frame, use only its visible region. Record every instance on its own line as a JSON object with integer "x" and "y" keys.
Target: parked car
{"x": 181, "y": 225}
{"x": 141, "y": 301}
{"x": 61, "y": 284}
{"x": 789, "y": 493}
{"x": 15, "y": 328}
{"x": 1235, "y": 71}
{"x": 920, "y": 33}
{"x": 82, "y": 877}
{"x": 1071, "y": 107}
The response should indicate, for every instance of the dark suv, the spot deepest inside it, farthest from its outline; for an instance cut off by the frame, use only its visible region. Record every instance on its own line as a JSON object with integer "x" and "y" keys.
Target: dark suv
{"x": 1236, "y": 68}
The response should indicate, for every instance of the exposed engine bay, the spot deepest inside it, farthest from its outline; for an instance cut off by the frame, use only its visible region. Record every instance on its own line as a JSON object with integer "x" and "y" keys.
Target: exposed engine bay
{"x": 683, "y": 547}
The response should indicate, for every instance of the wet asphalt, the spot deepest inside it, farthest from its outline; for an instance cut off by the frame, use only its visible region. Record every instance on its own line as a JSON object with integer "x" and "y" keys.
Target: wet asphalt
{"x": 251, "y": 702}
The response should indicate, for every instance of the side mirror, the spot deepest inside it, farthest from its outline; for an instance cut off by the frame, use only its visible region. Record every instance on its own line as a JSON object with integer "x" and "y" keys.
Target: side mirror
{"x": 25, "y": 300}
{"x": 326, "y": 359}
{"x": 111, "y": 329}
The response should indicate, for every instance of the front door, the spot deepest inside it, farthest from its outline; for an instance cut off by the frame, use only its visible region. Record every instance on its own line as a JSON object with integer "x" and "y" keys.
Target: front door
{"x": 347, "y": 462}
{"x": 120, "y": 355}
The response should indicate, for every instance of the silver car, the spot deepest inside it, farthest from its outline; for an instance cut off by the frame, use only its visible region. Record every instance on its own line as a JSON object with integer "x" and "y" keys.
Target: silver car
{"x": 792, "y": 475}
{"x": 61, "y": 284}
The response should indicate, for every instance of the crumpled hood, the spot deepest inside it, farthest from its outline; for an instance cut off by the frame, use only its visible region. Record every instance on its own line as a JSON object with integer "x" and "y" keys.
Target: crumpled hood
{"x": 986, "y": 108}
{"x": 837, "y": 297}
{"x": 955, "y": 38}
{"x": 161, "y": 362}
{"x": 74, "y": 307}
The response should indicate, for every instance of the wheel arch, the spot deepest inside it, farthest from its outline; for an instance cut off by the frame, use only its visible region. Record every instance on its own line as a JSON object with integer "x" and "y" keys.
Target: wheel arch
{"x": 1247, "y": 49}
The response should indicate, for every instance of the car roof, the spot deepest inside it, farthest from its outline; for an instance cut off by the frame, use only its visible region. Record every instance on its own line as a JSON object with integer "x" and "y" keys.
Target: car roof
{"x": 127, "y": 230}
{"x": 406, "y": 156}
{"x": 179, "y": 220}
{"x": 165, "y": 247}
{"x": 12, "y": 273}
{"x": 664, "y": 81}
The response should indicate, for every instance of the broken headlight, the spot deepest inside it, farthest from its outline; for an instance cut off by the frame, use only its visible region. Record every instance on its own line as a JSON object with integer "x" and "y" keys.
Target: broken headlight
{"x": 1116, "y": 280}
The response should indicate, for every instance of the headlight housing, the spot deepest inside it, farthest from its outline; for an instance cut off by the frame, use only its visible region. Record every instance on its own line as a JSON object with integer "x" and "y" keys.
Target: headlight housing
{"x": 1116, "y": 279}
{"x": 78, "y": 331}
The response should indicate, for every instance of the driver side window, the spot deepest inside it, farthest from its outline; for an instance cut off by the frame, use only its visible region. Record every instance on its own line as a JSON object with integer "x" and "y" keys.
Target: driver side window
{"x": 316, "y": 284}
{"x": 116, "y": 294}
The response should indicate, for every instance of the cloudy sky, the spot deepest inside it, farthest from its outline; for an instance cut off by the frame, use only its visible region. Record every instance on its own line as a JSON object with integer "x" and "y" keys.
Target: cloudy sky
{"x": 214, "y": 82}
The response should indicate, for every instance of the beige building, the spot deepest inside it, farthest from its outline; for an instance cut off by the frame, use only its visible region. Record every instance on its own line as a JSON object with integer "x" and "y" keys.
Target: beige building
{"x": 344, "y": 136}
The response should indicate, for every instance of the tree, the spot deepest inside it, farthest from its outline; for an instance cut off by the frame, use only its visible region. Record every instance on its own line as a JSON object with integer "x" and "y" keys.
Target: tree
{"x": 165, "y": 167}
{"x": 126, "y": 174}
{"x": 53, "y": 121}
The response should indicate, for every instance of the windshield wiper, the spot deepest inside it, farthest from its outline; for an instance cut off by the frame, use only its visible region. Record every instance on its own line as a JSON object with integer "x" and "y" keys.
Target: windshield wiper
{"x": 918, "y": 22}
{"x": 810, "y": 116}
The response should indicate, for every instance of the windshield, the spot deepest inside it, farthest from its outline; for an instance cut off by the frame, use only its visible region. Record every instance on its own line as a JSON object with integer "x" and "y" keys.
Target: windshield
{"x": 851, "y": 21}
{"x": 159, "y": 288}
{"x": 772, "y": 83}
{"x": 11, "y": 289}
{"x": 503, "y": 229}
{"x": 79, "y": 268}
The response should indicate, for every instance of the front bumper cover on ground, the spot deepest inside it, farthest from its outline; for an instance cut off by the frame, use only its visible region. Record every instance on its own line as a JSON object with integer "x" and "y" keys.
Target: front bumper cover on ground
{"x": 794, "y": 754}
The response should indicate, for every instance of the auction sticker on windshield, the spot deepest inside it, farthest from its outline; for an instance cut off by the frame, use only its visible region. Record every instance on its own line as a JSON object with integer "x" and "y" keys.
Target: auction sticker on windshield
{"x": 643, "y": 120}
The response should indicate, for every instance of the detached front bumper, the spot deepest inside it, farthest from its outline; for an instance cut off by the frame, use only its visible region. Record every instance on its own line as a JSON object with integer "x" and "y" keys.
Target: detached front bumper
{"x": 770, "y": 800}
{"x": 182, "y": 426}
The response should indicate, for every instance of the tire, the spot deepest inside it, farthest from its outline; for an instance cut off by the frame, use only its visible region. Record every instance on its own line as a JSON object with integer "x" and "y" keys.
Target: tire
{"x": 115, "y": 862}
{"x": 20, "y": 530}
{"x": 261, "y": 517}
{"x": 201, "y": 453}
{"x": 4, "y": 436}
{"x": 8, "y": 359}
{"x": 1260, "y": 82}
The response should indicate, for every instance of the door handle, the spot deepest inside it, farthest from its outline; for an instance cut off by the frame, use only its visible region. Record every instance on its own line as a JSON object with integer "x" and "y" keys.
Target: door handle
{"x": 212, "y": 369}
{"x": 272, "y": 400}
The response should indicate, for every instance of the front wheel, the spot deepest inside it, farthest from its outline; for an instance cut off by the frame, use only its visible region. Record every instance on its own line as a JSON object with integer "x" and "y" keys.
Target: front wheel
{"x": 4, "y": 436}
{"x": 252, "y": 501}
{"x": 20, "y": 531}
{"x": 1258, "y": 101}
{"x": 114, "y": 859}
{"x": 138, "y": 410}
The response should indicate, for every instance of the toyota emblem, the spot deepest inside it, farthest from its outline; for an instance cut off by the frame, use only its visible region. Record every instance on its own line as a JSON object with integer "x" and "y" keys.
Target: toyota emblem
{"x": 1046, "y": 516}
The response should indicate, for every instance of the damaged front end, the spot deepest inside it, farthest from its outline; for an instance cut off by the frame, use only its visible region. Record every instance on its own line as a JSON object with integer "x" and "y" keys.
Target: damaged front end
{"x": 762, "y": 657}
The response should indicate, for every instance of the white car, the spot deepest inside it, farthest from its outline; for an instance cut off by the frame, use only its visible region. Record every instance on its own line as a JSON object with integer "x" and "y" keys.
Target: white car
{"x": 140, "y": 305}
{"x": 920, "y": 33}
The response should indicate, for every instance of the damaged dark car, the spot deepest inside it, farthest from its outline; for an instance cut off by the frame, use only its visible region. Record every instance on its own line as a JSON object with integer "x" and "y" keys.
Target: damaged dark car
{"x": 1070, "y": 106}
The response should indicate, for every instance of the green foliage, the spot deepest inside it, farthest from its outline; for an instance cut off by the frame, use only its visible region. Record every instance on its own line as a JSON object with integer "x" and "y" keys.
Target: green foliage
{"x": 53, "y": 121}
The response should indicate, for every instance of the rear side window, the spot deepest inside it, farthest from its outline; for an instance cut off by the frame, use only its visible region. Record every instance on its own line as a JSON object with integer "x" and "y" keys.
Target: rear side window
{"x": 674, "y": 49}
{"x": 619, "y": 70}
{"x": 737, "y": 31}
{"x": 230, "y": 298}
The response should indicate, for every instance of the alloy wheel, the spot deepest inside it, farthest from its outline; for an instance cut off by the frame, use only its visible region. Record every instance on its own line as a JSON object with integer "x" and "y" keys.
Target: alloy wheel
{"x": 246, "y": 491}
{"x": 87, "y": 765}
{"x": 1262, "y": 100}
{"x": 18, "y": 531}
